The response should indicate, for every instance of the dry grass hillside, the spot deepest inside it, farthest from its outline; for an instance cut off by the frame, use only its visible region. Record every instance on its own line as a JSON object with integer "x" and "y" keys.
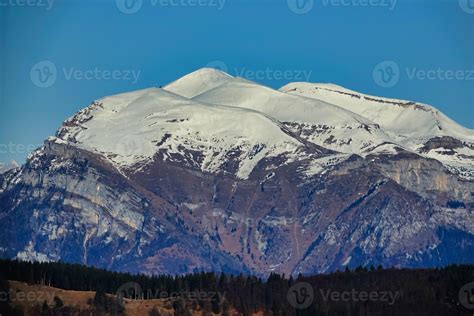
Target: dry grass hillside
{"x": 26, "y": 297}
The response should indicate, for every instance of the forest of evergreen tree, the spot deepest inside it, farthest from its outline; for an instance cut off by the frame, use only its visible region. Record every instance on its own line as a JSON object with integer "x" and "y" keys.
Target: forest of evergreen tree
{"x": 414, "y": 291}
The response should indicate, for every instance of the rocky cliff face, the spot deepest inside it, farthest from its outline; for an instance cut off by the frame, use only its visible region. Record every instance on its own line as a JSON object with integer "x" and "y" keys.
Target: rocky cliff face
{"x": 195, "y": 188}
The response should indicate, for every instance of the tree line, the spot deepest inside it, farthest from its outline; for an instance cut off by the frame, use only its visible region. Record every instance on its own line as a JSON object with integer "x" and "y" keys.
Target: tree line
{"x": 362, "y": 291}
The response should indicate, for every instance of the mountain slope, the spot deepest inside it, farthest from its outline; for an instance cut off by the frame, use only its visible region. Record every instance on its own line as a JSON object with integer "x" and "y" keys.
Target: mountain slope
{"x": 240, "y": 178}
{"x": 319, "y": 122}
{"x": 405, "y": 119}
{"x": 143, "y": 124}
{"x": 416, "y": 126}
{"x": 198, "y": 82}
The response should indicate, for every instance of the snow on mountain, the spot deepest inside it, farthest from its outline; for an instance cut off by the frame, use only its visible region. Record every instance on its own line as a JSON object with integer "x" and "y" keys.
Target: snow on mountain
{"x": 158, "y": 121}
{"x": 198, "y": 82}
{"x": 203, "y": 113}
{"x": 405, "y": 119}
{"x": 132, "y": 128}
{"x": 416, "y": 126}
{"x": 154, "y": 182}
{"x": 4, "y": 167}
{"x": 319, "y": 122}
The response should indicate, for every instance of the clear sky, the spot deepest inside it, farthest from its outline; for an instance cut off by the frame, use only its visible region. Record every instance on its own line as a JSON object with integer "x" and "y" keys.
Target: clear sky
{"x": 56, "y": 57}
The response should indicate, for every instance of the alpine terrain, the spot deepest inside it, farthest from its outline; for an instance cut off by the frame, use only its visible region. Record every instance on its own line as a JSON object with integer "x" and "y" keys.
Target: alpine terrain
{"x": 218, "y": 173}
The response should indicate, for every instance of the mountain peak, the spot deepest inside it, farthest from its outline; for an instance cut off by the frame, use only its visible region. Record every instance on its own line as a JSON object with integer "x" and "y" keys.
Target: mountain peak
{"x": 257, "y": 179}
{"x": 208, "y": 71}
{"x": 198, "y": 82}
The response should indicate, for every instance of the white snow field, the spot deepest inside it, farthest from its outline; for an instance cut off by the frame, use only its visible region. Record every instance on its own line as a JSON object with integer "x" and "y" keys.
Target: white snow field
{"x": 207, "y": 116}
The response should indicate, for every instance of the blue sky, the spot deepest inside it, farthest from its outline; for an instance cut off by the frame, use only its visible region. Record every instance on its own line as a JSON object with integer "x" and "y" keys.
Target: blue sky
{"x": 104, "y": 47}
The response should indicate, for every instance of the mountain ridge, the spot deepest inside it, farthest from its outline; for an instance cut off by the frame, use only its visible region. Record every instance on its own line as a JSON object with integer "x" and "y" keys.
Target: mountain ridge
{"x": 237, "y": 178}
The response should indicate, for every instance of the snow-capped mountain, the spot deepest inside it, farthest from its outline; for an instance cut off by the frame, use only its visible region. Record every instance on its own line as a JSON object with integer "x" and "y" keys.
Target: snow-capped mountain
{"x": 418, "y": 127}
{"x": 317, "y": 121}
{"x": 154, "y": 122}
{"x": 220, "y": 173}
{"x": 198, "y": 82}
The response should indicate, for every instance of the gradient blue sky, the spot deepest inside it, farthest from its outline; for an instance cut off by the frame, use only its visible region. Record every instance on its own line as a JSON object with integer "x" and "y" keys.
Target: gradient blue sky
{"x": 338, "y": 44}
